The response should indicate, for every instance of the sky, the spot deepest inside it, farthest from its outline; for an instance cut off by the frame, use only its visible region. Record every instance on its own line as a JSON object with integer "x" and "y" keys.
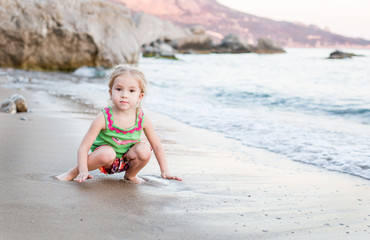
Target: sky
{"x": 350, "y": 18}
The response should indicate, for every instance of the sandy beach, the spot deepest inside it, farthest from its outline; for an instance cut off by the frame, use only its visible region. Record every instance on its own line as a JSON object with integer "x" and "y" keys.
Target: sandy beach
{"x": 228, "y": 191}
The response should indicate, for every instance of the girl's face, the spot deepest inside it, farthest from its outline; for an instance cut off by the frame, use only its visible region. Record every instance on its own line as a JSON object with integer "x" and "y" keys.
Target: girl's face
{"x": 126, "y": 92}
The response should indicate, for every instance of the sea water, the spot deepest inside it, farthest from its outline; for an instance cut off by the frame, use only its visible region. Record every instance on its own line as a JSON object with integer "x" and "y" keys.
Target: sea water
{"x": 299, "y": 104}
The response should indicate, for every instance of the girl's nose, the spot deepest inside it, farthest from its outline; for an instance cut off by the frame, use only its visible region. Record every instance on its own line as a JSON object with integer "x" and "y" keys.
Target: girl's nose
{"x": 123, "y": 94}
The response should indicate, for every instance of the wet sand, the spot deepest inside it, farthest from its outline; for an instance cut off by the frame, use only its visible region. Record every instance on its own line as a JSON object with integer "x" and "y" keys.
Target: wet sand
{"x": 228, "y": 191}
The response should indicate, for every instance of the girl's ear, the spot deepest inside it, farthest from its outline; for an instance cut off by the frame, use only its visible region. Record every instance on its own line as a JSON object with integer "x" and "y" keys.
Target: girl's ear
{"x": 110, "y": 92}
{"x": 141, "y": 96}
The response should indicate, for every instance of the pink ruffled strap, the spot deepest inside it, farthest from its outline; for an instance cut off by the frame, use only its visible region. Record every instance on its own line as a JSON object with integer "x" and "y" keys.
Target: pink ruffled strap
{"x": 112, "y": 128}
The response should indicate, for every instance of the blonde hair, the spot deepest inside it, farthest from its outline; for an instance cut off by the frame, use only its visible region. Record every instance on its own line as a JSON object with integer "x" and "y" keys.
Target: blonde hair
{"x": 123, "y": 69}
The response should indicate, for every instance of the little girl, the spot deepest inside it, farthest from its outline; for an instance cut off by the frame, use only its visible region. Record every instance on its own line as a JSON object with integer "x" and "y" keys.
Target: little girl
{"x": 114, "y": 135}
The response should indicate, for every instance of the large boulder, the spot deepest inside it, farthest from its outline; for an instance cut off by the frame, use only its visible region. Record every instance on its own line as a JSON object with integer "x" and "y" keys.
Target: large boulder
{"x": 65, "y": 35}
{"x": 159, "y": 49}
{"x": 233, "y": 44}
{"x": 197, "y": 42}
{"x": 340, "y": 55}
{"x": 266, "y": 45}
{"x": 150, "y": 29}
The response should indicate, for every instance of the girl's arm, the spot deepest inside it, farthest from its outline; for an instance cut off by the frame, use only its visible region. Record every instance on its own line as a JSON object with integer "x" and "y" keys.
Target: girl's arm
{"x": 96, "y": 126}
{"x": 158, "y": 149}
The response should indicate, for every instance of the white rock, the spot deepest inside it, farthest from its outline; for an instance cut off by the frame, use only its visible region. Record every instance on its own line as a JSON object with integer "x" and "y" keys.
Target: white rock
{"x": 8, "y": 106}
{"x": 20, "y": 102}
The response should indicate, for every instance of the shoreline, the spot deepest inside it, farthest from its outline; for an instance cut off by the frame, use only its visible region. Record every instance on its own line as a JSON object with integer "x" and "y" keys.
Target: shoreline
{"x": 228, "y": 190}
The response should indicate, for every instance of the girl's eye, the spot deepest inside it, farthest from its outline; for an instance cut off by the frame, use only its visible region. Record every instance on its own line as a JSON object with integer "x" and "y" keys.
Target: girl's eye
{"x": 132, "y": 90}
{"x": 118, "y": 89}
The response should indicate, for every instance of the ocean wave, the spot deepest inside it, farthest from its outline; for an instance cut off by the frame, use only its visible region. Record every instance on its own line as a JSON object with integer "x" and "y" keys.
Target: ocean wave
{"x": 291, "y": 103}
{"x": 238, "y": 98}
{"x": 90, "y": 72}
{"x": 240, "y": 94}
{"x": 352, "y": 111}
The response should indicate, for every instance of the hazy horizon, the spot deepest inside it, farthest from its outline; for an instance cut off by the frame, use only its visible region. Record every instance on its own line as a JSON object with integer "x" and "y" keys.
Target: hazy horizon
{"x": 344, "y": 17}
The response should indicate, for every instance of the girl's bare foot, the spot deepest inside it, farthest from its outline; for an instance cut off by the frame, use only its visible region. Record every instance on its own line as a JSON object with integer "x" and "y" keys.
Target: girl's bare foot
{"x": 68, "y": 176}
{"x": 135, "y": 179}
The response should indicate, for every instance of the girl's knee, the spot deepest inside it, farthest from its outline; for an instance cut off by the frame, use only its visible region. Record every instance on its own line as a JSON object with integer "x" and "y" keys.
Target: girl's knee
{"x": 107, "y": 155}
{"x": 143, "y": 151}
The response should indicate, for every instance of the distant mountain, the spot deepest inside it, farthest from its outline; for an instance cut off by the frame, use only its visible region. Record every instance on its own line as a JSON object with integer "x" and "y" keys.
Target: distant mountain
{"x": 221, "y": 20}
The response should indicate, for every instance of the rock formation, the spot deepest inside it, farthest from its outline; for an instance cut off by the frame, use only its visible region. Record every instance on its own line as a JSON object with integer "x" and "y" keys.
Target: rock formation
{"x": 266, "y": 45}
{"x": 233, "y": 44}
{"x": 150, "y": 28}
{"x": 340, "y": 55}
{"x": 200, "y": 42}
{"x": 20, "y": 102}
{"x": 159, "y": 49}
{"x": 197, "y": 42}
{"x": 15, "y": 103}
{"x": 65, "y": 35}
{"x": 8, "y": 106}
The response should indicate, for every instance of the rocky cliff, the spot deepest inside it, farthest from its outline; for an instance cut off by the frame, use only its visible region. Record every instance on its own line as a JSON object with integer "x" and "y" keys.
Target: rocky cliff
{"x": 222, "y": 21}
{"x": 150, "y": 28}
{"x": 64, "y": 35}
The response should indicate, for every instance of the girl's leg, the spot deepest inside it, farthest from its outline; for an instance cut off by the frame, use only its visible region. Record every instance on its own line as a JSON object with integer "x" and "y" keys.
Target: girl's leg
{"x": 104, "y": 156}
{"x": 138, "y": 156}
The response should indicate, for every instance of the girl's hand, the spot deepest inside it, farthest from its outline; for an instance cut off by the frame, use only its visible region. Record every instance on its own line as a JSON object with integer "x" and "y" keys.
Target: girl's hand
{"x": 81, "y": 177}
{"x": 167, "y": 175}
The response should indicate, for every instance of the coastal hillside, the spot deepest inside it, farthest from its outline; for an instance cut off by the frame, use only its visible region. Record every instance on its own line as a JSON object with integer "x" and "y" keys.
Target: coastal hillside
{"x": 221, "y": 20}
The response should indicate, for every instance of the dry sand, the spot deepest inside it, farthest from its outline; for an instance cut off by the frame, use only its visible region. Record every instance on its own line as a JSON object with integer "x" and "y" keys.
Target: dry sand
{"x": 228, "y": 191}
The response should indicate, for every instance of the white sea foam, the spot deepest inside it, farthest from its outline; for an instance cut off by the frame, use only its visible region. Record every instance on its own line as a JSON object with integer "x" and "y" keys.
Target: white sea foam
{"x": 89, "y": 72}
